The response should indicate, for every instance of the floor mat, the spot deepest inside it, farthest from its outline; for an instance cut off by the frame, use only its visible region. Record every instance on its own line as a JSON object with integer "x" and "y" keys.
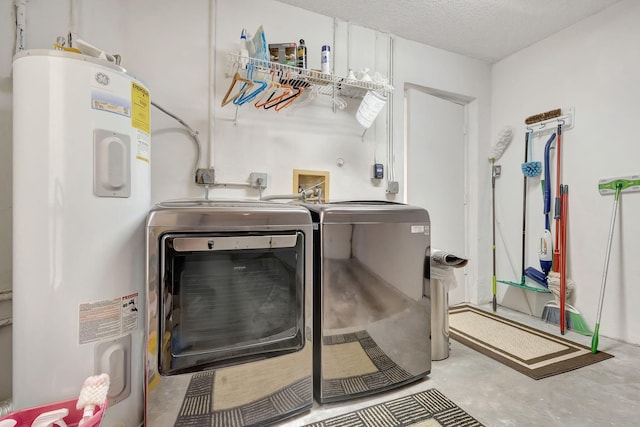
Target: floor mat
{"x": 353, "y": 363}
{"x": 532, "y": 352}
{"x": 429, "y": 408}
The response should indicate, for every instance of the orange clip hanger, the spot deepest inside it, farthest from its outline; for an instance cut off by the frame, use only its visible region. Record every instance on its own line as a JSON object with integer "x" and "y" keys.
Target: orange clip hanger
{"x": 289, "y": 100}
{"x": 288, "y": 90}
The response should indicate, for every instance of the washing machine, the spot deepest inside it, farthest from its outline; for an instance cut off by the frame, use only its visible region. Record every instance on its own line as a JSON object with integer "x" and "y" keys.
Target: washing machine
{"x": 229, "y": 303}
{"x": 371, "y": 298}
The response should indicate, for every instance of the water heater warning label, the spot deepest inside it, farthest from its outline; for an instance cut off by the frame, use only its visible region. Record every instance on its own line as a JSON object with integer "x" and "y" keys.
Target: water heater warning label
{"x": 108, "y": 318}
{"x": 140, "y": 105}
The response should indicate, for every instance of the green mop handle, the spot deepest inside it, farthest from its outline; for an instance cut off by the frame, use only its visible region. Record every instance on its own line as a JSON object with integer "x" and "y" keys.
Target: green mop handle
{"x": 594, "y": 339}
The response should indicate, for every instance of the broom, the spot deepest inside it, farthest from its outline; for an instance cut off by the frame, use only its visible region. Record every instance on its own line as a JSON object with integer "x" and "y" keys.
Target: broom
{"x": 551, "y": 311}
{"x": 561, "y": 286}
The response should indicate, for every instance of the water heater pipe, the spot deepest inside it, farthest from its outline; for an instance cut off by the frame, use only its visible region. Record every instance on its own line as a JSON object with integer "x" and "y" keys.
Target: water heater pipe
{"x": 73, "y": 19}
{"x": 212, "y": 80}
{"x": 390, "y": 146}
{"x": 21, "y": 24}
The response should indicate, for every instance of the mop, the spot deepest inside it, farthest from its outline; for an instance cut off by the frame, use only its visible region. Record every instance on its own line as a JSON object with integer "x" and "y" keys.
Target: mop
{"x": 614, "y": 186}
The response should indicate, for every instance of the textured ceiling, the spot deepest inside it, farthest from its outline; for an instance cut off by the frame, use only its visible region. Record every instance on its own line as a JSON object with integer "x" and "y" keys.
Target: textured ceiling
{"x": 489, "y": 30}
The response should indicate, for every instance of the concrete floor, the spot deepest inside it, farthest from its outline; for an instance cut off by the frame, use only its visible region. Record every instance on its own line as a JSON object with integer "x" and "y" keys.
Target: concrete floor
{"x": 606, "y": 393}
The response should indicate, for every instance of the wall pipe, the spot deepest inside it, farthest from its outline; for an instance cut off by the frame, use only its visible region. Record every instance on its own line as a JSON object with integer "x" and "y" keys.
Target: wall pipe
{"x": 390, "y": 146}
{"x": 212, "y": 81}
{"x": 73, "y": 20}
{"x": 21, "y": 24}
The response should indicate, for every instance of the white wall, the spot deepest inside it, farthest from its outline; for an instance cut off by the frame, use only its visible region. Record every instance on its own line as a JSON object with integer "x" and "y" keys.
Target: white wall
{"x": 166, "y": 44}
{"x": 594, "y": 67}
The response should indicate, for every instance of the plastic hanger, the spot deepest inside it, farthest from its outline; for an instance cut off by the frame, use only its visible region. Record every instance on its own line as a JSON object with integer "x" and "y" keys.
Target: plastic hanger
{"x": 285, "y": 95}
{"x": 246, "y": 96}
{"x": 273, "y": 89}
{"x": 289, "y": 100}
{"x": 236, "y": 78}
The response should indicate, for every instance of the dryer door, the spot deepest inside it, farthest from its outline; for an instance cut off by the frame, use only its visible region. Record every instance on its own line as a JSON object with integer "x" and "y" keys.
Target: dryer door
{"x": 229, "y": 298}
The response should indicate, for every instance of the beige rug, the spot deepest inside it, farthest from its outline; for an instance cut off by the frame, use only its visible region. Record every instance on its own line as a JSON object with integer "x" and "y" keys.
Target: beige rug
{"x": 256, "y": 393}
{"x": 353, "y": 364}
{"x": 532, "y": 352}
{"x": 425, "y": 409}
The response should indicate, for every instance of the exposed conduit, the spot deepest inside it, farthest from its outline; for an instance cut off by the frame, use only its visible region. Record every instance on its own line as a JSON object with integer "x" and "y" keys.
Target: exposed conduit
{"x": 390, "y": 147}
{"x": 212, "y": 80}
{"x": 193, "y": 133}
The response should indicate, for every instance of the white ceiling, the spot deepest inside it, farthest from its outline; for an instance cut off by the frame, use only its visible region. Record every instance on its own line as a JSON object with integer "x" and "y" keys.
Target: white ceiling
{"x": 489, "y": 30}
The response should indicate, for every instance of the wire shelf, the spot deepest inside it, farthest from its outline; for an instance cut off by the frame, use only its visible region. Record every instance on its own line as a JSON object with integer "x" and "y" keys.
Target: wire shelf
{"x": 326, "y": 84}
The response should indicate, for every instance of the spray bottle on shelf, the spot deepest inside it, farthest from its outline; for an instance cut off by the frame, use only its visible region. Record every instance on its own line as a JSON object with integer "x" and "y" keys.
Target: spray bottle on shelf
{"x": 302, "y": 55}
{"x": 243, "y": 52}
{"x": 325, "y": 60}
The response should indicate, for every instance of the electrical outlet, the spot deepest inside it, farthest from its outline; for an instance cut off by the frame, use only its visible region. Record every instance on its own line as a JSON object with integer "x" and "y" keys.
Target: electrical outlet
{"x": 393, "y": 187}
{"x": 258, "y": 180}
{"x": 497, "y": 170}
{"x": 205, "y": 176}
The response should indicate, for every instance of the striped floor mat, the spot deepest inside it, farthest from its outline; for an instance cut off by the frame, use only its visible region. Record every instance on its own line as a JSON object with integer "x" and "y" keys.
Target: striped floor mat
{"x": 532, "y": 352}
{"x": 358, "y": 366}
{"x": 425, "y": 409}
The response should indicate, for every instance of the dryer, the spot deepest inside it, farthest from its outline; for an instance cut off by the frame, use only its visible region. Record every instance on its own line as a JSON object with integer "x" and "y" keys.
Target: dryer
{"x": 229, "y": 327}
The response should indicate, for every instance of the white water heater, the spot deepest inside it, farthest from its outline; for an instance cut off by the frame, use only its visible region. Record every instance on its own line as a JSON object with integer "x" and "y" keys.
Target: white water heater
{"x": 81, "y": 193}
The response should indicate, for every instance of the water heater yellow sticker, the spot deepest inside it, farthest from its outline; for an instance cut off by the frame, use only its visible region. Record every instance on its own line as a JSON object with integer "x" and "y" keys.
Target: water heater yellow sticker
{"x": 140, "y": 105}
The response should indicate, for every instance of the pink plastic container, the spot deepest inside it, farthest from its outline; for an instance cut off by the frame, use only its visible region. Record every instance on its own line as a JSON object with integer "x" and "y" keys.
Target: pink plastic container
{"x": 25, "y": 417}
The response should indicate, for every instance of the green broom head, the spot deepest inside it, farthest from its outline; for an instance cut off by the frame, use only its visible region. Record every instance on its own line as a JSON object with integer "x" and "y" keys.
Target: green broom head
{"x": 573, "y": 319}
